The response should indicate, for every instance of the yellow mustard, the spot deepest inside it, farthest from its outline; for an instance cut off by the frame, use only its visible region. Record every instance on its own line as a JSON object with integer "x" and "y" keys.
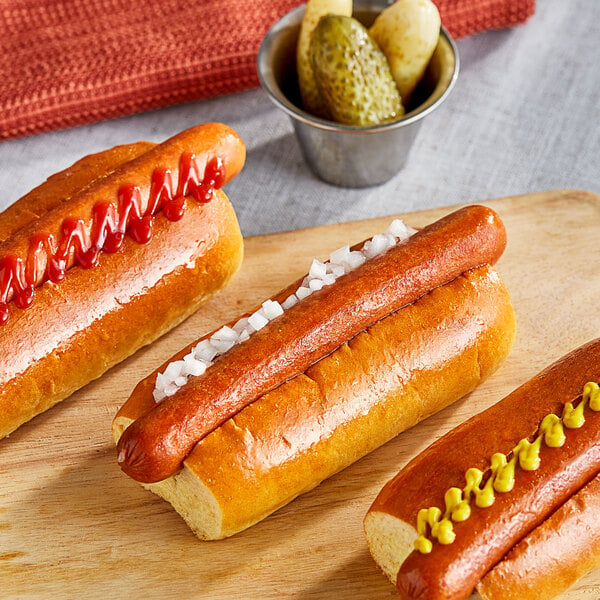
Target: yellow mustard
{"x": 502, "y": 473}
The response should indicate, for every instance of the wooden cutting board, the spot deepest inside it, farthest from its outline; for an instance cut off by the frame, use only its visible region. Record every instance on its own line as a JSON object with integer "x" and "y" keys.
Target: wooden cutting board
{"x": 73, "y": 526}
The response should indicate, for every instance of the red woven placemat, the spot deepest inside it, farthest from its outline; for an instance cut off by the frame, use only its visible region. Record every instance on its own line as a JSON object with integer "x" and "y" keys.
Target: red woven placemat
{"x": 69, "y": 62}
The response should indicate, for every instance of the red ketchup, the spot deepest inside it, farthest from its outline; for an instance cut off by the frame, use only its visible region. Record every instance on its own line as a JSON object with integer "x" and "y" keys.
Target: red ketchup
{"x": 106, "y": 231}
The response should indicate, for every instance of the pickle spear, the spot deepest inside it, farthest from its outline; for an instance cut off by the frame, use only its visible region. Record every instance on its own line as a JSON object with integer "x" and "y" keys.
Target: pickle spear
{"x": 352, "y": 74}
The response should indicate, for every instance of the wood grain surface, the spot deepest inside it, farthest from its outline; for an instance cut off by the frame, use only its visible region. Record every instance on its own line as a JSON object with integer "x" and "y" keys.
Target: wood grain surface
{"x": 73, "y": 526}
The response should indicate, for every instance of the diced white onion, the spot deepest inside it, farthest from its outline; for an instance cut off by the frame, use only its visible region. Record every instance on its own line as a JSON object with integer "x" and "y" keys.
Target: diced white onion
{"x": 174, "y": 370}
{"x": 170, "y": 389}
{"x": 159, "y": 394}
{"x": 341, "y": 261}
{"x": 379, "y": 244}
{"x": 289, "y": 302}
{"x": 257, "y": 320}
{"x": 261, "y": 312}
{"x": 224, "y": 334}
{"x": 317, "y": 269}
{"x": 193, "y": 366}
{"x": 391, "y": 240}
{"x": 303, "y": 292}
{"x": 240, "y": 325}
{"x": 272, "y": 309}
{"x": 335, "y": 269}
{"x": 205, "y": 351}
{"x": 368, "y": 249}
{"x": 399, "y": 230}
{"x": 161, "y": 380}
{"x": 340, "y": 255}
{"x": 355, "y": 259}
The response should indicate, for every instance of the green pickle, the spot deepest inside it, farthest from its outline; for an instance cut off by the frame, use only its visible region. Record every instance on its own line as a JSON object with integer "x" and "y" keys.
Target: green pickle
{"x": 352, "y": 74}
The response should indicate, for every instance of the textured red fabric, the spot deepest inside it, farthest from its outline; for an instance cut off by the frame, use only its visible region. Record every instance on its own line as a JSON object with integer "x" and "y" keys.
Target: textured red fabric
{"x": 69, "y": 62}
{"x": 466, "y": 17}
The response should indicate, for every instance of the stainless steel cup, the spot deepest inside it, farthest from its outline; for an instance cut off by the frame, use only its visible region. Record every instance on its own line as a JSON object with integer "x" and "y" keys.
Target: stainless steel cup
{"x": 340, "y": 154}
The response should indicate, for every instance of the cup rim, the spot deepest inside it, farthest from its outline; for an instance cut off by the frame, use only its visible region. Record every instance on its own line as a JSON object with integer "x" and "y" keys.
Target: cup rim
{"x": 268, "y": 82}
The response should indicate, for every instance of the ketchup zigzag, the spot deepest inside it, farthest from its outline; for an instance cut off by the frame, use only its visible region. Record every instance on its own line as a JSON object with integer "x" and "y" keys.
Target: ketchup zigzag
{"x": 48, "y": 258}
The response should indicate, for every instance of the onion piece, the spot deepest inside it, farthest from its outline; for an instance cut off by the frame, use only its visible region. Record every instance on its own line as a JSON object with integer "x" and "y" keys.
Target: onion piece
{"x": 258, "y": 320}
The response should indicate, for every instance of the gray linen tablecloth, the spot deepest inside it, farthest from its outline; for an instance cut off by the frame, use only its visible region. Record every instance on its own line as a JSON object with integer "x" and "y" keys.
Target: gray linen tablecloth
{"x": 524, "y": 117}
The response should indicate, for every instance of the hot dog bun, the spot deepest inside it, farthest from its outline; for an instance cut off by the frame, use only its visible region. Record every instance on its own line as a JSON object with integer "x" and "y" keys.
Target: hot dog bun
{"x": 95, "y": 317}
{"x": 554, "y": 555}
{"x": 452, "y": 569}
{"x": 401, "y": 369}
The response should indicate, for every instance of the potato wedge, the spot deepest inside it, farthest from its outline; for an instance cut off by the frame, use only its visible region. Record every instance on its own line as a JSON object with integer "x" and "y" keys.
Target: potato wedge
{"x": 407, "y": 32}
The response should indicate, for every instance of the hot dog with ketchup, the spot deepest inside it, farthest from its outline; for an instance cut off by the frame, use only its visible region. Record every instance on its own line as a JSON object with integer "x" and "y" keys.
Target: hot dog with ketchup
{"x": 397, "y": 336}
{"x": 108, "y": 255}
{"x": 511, "y": 485}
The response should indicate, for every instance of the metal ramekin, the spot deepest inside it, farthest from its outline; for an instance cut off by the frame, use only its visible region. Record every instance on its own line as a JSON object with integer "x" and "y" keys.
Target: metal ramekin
{"x": 344, "y": 155}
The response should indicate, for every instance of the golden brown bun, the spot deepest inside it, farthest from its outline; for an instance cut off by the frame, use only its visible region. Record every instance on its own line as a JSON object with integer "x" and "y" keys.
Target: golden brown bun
{"x": 77, "y": 329}
{"x": 399, "y": 371}
{"x": 452, "y": 571}
{"x": 554, "y": 555}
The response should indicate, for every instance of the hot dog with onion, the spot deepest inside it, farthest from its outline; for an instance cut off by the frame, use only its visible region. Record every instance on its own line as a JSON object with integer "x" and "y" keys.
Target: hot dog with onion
{"x": 396, "y": 337}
